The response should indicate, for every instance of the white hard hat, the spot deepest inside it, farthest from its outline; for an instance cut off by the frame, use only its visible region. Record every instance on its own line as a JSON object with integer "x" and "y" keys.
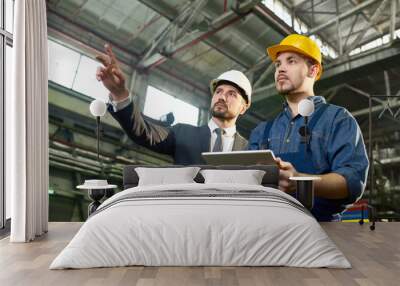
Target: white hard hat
{"x": 236, "y": 77}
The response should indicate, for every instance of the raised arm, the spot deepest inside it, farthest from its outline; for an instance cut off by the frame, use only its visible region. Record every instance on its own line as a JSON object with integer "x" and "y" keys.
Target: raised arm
{"x": 110, "y": 74}
{"x": 144, "y": 131}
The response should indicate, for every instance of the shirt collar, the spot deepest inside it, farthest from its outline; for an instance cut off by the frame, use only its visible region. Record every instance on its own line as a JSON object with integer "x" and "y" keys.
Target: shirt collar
{"x": 318, "y": 100}
{"x": 230, "y": 131}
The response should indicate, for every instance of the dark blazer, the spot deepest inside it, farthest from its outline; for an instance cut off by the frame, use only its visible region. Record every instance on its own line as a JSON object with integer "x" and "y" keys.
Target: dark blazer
{"x": 183, "y": 142}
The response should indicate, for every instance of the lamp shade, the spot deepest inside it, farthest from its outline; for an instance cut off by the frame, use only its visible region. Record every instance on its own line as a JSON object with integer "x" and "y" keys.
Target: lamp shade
{"x": 306, "y": 107}
{"x": 98, "y": 107}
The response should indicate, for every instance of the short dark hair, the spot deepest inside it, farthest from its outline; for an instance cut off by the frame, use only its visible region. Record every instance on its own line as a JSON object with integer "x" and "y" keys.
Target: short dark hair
{"x": 241, "y": 91}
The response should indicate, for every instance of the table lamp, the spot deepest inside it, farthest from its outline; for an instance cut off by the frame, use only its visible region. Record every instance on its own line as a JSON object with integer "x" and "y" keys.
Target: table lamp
{"x": 98, "y": 109}
{"x": 305, "y": 190}
{"x": 305, "y": 185}
{"x": 306, "y": 109}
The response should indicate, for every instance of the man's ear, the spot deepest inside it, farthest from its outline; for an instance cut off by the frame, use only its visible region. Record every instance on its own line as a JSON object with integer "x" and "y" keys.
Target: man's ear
{"x": 244, "y": 108}
{"x": 313, "y": 70}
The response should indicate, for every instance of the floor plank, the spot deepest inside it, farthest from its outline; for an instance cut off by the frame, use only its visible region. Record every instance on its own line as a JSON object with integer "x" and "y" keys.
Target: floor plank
{"x": 374, "y": 255}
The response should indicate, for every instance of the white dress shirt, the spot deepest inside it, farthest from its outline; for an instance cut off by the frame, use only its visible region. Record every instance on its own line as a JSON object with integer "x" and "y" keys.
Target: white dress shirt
{"x": 119, "y": 104}
{"x": 228, "y": 136}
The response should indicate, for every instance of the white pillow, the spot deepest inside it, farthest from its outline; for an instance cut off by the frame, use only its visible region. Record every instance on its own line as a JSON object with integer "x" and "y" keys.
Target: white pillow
{"x": 166, "y": 176}
{"x": 248, "y": 177}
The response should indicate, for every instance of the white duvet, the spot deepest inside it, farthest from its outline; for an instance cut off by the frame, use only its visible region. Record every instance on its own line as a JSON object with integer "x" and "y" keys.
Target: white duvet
{"x": 207, "y": 230}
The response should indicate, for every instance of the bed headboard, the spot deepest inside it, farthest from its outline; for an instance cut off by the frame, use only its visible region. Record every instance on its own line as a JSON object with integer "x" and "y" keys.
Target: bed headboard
{"x": 270, "y": 179}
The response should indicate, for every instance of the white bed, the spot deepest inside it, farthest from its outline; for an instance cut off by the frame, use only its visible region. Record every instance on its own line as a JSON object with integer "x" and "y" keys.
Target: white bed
{"x": 203, "y": 225}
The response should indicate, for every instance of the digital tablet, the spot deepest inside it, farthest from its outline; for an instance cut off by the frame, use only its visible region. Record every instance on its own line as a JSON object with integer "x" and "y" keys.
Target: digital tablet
{"x": 250, "y": 157}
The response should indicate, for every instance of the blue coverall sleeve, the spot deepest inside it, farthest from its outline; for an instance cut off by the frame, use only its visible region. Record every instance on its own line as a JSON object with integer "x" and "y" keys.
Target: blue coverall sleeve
{"x": 256, "y": 136}
{"x": 347, "y": 155}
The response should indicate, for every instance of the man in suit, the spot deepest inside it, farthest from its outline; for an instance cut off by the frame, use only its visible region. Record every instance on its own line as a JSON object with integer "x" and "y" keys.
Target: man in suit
{"x": 231, "y": 97}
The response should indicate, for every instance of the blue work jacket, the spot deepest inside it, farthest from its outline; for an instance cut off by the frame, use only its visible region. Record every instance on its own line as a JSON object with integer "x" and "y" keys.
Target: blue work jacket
{"x": 336, "y": 145}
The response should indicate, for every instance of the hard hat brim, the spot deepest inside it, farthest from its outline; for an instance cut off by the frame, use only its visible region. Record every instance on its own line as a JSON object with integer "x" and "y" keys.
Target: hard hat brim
{"x": 273, "y": 52}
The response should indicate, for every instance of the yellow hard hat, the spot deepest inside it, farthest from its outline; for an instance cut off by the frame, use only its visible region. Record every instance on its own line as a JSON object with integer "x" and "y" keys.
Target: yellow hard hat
{"x": 299, "y": 44}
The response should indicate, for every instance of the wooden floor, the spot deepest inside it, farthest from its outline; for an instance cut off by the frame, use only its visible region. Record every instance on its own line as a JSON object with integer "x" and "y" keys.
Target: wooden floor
{"x": 375, "y": 256}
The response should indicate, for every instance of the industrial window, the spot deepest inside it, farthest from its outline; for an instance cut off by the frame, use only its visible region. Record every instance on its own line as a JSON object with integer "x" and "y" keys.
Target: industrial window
{"x": 63, "y": 63}
{"x": 6, "y": 43}
{"x": 374, "y": 43}
{"x": 159, "y": 103}
{"x": 73, "y": 70}
{"x": 85, "y": 81}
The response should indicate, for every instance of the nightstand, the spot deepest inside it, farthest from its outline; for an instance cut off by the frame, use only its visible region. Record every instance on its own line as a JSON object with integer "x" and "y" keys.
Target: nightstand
{"x": 97, "y": 189}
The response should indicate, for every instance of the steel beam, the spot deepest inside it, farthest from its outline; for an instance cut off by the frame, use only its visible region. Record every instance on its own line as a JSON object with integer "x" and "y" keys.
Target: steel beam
{"x": 332, "y": 94}
{"x": 269, "y": 18}
{"x": 393, "y": 10}
{"x": 312, "y": 13}
{"x": 353, "y": 24}
{"x": 387, "y": 82}
{"x": 342, "y": 16}
{"x": 261, "y": 62}
{"x": 264, "y": 92}
{"x": 382, "y": 58}
{"x": 338, "y": 31}
{"x": 374, "y": 109}
{"x": 384, "y": 24}
{"x": 382, "y": 103}
{"x": 169, "y": 13}
{"x": 364, "y": 15}
{"x": 143, "y": 27}
{"x": 270, "y": 69}
{"x": 79, "y": 9}
{"x": 298, "y": 3}
{"x": 316, "y": 12}
{"x": 158, "y": 58}
{"x": 372, "y": 21}
{"x": 153, "y": 59}
{"x": 361, "y": 92}
{"x": 194, "y": 13}
{"x": 164, "y": 34}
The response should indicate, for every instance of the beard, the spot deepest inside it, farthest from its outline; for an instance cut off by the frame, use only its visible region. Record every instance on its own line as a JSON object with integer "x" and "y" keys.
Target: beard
{"x": 285, "y": 88}
{"x": 221, "y": 113}
{"x": 291, "y": 84}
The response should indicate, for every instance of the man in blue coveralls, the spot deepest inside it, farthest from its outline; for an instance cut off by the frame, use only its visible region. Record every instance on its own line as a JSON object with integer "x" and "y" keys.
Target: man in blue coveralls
{"x": 335, "y": 149}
